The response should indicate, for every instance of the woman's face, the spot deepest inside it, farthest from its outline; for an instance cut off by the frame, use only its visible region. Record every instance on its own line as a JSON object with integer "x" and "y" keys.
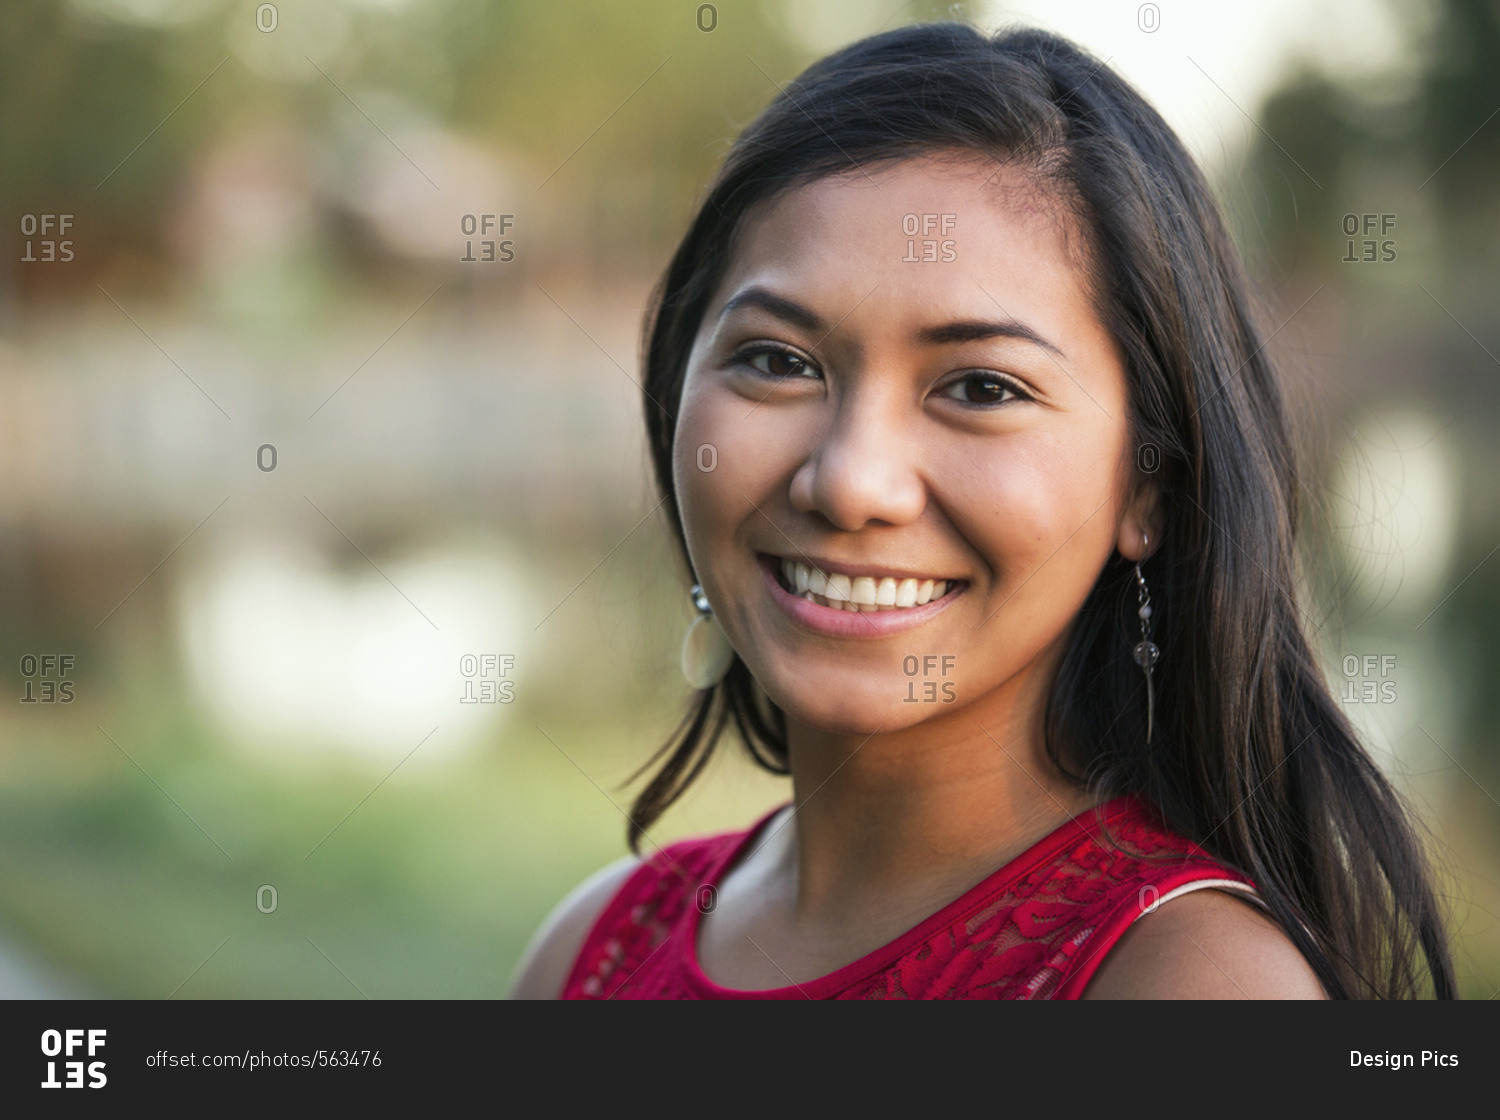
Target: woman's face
{"x": 902, "y": 455}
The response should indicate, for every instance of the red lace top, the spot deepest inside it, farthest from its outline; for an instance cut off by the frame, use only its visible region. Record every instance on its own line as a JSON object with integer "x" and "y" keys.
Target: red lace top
{"x": 1038, "y": 928}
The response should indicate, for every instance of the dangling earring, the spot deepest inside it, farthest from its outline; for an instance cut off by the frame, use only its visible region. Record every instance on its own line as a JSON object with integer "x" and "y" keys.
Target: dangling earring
{"x": 706, "y": 652}
{"x": 1145, "y": 651}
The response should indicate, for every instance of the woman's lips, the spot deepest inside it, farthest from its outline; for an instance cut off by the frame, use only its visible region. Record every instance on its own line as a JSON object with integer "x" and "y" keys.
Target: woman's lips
{"x": 849, "y": 624}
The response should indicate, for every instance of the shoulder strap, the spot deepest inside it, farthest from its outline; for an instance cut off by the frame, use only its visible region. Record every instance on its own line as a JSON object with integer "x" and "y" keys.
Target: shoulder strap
{"x": 1155, "y": 866}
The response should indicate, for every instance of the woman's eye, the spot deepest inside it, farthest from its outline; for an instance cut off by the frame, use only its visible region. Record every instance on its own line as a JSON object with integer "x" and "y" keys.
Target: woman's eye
{"x": 983, "y": 389}
{"x": 776, "y": 363}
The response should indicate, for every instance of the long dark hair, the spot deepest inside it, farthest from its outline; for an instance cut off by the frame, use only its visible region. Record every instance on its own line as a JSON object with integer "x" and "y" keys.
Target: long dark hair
{"x": 1250, "y": 754}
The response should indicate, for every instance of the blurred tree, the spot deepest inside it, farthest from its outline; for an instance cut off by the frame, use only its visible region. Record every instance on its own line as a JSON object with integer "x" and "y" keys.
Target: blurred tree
{"x": 627, "y": 106}
{"x": 1329, "y": 131}
{"x": 1432, "y": 158}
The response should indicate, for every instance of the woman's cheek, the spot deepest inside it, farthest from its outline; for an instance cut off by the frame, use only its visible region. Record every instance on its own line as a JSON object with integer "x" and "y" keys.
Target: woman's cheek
{"x": 721, "y": 462}
{"x": 734, "y": 443}
{"x": 699, "y": 471}
{"x": 1024, "y": 512}
{"x": 1002, "y": 503}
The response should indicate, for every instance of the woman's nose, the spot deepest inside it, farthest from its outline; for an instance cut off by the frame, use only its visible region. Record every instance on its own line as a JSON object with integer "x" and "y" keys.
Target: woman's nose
{"x": 862, "y": 471}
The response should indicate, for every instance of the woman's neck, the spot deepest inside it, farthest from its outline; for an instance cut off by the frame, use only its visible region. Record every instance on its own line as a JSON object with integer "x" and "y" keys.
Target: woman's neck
{"x": 928, "y": 809}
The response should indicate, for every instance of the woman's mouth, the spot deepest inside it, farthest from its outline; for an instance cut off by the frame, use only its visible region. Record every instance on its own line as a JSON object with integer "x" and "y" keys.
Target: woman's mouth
{"x": 855, "y": 604}
{"x": 850, "y": 591}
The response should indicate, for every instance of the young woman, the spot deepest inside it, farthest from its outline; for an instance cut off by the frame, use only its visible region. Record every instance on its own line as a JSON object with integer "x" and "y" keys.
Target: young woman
{"x": 979, "y": 464}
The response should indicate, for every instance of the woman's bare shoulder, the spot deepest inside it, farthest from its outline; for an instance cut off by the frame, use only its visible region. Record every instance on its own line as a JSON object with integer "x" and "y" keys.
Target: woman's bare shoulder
{"x": 548, "y": 958}
{"x": 1207, "y": 944}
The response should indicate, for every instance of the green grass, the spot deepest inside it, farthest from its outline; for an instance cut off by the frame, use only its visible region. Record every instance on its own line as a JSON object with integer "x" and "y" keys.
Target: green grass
{"x": 430, "y": 888}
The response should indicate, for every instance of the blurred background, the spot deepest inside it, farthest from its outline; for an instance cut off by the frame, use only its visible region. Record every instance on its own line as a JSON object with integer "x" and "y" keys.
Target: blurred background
{"x": 335, "y": 610}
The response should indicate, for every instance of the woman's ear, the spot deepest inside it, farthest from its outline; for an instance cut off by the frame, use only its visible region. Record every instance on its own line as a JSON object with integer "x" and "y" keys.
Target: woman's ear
{"x": 1140, "y": 529}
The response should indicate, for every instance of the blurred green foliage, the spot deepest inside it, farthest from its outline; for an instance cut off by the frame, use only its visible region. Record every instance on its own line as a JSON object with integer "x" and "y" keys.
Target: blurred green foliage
{"x": 628, "y": 105}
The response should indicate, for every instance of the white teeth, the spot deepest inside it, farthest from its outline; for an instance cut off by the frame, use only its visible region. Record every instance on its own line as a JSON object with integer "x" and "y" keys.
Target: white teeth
{"x": 859, "y": 593}
{"x": 798, "y": 576}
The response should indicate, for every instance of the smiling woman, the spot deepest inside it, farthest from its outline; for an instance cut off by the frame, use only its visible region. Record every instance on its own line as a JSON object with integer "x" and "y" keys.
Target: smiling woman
{"x": 981, "y": 472}
{"x": 936, "y": 436}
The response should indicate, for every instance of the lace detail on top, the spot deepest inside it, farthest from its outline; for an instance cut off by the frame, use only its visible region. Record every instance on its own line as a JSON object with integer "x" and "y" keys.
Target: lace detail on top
{"x": 1038, "y": 928}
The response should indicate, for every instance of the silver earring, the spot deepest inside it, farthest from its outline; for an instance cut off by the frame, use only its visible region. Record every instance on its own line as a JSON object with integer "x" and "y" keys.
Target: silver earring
{"x": 1145, "y": 652}
{"x": 706, "y": 652}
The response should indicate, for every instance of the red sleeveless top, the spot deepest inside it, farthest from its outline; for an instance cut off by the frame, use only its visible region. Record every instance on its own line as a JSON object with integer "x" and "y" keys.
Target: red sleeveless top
{"x": 1038, "y": 928}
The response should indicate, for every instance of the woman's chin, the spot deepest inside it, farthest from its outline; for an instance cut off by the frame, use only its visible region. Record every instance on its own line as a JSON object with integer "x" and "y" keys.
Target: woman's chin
{"x": 860, "y": 709}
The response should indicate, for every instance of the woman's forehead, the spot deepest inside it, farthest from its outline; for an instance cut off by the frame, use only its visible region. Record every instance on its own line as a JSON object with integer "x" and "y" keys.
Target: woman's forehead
{"x": 894, "y": 198}
{"x": 922, "y": 238}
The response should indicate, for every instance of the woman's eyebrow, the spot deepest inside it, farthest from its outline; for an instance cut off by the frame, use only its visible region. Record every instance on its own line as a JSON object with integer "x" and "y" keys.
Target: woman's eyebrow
{"x": 978, "y": 330}
{"x": 779, "y": 306}
{"x": 945, "y": 334}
